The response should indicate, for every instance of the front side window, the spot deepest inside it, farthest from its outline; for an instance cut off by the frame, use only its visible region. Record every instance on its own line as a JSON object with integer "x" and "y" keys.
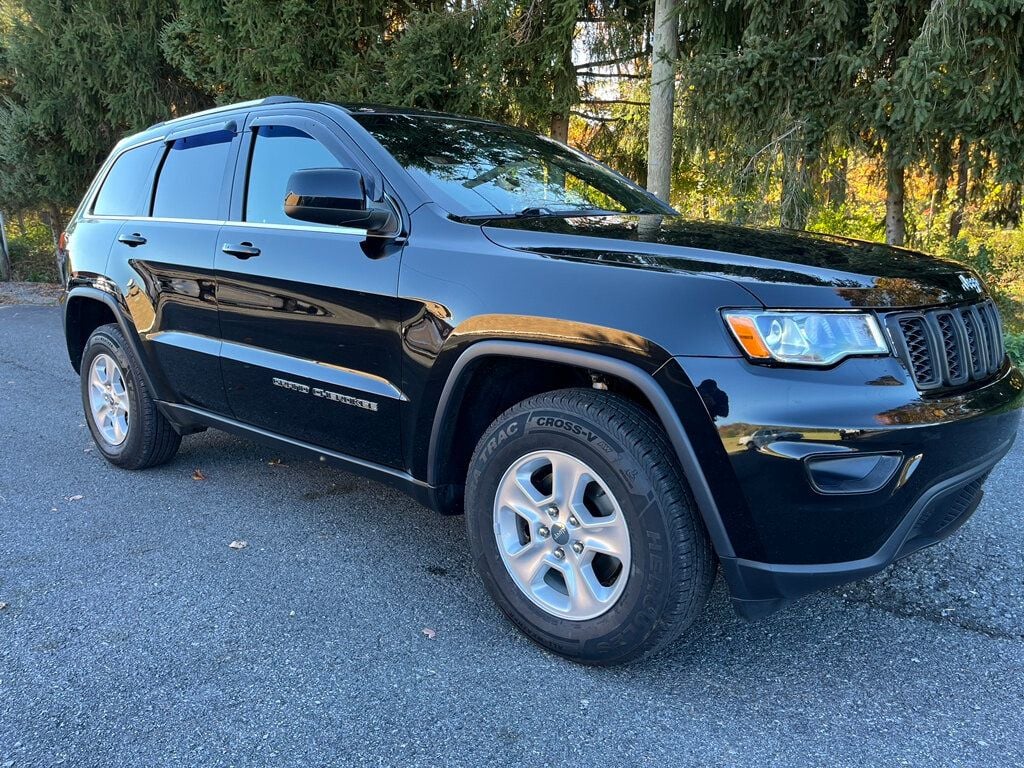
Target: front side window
{"x": 279, "y": 152}
{"x": 189, "y": 184}
{"x": 478, "y": 169}
{"x": 123, "y": 189}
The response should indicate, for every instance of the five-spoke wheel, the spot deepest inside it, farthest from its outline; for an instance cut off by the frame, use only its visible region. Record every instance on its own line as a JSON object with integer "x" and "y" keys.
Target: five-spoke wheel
{"x": 108, "y": 399}
{"x": 562, "y": 535}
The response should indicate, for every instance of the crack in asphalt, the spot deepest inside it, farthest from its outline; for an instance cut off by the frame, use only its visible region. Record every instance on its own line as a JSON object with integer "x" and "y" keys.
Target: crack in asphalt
{"x": 907, "y": 610}
{"x": 22, "y": 367}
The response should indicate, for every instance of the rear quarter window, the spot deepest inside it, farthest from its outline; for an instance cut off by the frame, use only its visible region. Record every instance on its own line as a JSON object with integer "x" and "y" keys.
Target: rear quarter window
{"x": 191, "y": 177}
{"x": 127, "y": 183}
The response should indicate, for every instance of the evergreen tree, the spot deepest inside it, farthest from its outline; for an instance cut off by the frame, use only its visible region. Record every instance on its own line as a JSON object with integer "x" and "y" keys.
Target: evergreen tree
{"x": 82, "y": 74}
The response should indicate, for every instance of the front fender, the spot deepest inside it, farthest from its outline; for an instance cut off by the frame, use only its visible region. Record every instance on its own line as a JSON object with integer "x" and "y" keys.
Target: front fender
{"x": 668, "y": 414}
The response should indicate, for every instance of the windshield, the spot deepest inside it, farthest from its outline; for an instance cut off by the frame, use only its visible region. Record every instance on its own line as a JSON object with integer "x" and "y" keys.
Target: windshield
{"x": 476, "y": 169}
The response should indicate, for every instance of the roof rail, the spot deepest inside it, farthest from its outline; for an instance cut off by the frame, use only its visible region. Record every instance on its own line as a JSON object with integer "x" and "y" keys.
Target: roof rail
{"x": 280, "y": 99}
{"x": 230, "y": 107}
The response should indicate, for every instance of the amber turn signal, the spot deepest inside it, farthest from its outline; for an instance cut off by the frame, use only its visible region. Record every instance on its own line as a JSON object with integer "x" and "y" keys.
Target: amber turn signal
{"x": 745, "y": 331}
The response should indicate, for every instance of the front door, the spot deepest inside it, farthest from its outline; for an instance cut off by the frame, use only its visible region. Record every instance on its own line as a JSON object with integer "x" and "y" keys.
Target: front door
{"x": 309, "y": 321}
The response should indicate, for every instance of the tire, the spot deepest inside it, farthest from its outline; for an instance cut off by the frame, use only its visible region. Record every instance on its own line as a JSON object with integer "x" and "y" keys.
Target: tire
{"x": 612, "y": 448}
{"x": 148, "y": 439}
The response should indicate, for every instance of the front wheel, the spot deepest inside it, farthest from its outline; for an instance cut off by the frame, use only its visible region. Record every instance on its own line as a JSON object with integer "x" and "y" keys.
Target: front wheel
{"x": 583, "y": 528}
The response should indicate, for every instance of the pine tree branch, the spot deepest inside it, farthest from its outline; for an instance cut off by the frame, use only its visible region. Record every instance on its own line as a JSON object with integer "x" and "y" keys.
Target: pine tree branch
{"x": 621, "y": 60}
{"x": 595, "y": 118}
{"x": 618, "y": 75}
{"x": 616, "y": 101}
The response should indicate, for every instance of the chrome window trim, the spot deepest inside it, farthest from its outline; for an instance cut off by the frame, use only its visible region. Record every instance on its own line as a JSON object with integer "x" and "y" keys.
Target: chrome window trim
{"x": 243, "y": 224}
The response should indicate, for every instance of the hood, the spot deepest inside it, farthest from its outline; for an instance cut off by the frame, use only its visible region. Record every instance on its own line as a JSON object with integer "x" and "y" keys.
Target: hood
{"x": 780, "y": 268}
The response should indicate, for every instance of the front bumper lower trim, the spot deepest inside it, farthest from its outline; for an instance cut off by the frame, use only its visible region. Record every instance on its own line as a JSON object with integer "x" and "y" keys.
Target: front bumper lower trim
{"x": 760, "y": 589}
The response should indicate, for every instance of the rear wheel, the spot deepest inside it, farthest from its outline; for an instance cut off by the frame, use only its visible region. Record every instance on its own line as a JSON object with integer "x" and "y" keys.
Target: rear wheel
{"x": 583, "y": 529}
{"x": 128, "y": 428}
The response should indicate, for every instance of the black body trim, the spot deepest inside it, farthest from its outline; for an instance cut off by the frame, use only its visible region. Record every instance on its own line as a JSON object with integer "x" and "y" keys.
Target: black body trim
{"x": 127, "y": 328}
{"x": 187, "y": 417}
{"x": 760, "y": 589}
{"x": 643, "y": 381}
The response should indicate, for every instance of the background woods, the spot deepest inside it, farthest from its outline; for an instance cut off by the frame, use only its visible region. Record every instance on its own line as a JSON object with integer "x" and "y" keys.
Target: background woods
{"x": 900, "y": 120}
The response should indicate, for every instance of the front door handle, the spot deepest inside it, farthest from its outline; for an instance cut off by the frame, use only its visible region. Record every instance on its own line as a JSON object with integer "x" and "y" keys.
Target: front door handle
{"x": 241, "y": 251}
{"x": 133, "y": 240}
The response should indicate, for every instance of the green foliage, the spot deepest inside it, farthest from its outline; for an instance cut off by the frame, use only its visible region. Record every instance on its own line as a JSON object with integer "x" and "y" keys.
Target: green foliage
{"x": 502, "y": 58}
{"x": 87, "y": 71}
{"x": 32, "y": 257}
{"x": 1015, "y": 346}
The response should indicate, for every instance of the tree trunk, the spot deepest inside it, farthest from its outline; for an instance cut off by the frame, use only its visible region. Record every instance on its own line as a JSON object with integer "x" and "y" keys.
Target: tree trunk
{"x": 837, "y": 183}
{"x": 1014, "y": 205}
{"x": 956, "y": 220}
{"x": 565, "y": 86}
{"x": 560, "y": 127}
{"x": 5, "y": 255}
{"x": 796, "y": 194}
{"x": 663, "y": 89}
{"x": 895, "y": 194}
{"x": 56, "y": 224}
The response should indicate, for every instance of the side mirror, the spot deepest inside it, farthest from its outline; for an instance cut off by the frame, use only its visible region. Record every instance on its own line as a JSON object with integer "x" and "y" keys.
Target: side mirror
{"x": 335, "y": 196}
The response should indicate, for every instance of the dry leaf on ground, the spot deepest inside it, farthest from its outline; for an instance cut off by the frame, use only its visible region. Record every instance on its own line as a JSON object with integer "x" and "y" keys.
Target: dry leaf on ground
{"x": 198, "y": 475}
{"x": 77, "y": 497}
{"x": 239, "y": 544}
{"x": 3, "y": 606}
{"x": 430, "y": 633}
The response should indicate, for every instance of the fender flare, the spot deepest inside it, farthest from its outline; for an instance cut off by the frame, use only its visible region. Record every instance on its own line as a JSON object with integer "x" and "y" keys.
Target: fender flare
{"x": 127, "y": 327}
{"x": 642, "y": 380}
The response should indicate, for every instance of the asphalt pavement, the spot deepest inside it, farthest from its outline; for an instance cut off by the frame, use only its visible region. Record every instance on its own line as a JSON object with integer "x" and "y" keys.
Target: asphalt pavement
{"x": 352, "y": 629}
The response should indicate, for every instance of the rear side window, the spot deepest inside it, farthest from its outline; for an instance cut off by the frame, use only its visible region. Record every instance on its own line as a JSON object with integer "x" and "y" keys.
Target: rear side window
{"x": 126, "y": 184}
{"x": 190, "y": 180}
{"x": 279, "y": 152}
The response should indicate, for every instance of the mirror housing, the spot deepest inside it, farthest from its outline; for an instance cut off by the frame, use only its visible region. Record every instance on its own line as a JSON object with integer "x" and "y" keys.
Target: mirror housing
{"x": 336, "y": 197}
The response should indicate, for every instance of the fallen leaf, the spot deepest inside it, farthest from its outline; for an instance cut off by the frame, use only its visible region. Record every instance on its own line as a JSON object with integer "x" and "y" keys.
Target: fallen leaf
{"x": 198, "y": 475}
{"x": 430, "y": 633}
{"x": 3, "y": 606}
{"x": 276, "y": 463}
{"x": 239, "y": 544}
{"x": 77, "y": 497}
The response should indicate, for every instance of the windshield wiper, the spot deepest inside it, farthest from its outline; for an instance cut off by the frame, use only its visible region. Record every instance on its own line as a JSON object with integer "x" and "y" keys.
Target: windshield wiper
{"x": 537, "y": 212}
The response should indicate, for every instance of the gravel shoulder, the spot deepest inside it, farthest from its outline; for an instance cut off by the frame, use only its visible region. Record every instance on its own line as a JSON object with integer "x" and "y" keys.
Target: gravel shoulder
{"x": 36, "y": 294}
{"x": 133, "y": 635}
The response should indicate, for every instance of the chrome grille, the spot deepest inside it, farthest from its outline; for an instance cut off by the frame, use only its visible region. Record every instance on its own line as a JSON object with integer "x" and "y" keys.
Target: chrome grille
{"x": 949, "y": 347}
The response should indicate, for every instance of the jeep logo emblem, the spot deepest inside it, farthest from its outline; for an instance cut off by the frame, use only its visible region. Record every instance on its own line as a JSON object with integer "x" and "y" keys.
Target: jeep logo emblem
{"x": 970, "y": 283}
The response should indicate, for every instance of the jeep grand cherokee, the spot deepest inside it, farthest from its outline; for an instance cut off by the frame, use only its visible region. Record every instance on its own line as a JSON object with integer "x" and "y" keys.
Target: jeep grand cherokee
{"x": 619, "y": 400}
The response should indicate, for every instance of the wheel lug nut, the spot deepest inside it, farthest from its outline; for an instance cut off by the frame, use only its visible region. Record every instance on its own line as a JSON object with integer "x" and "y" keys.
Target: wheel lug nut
{"x": 543, "y": 532}
{"x": 553, "y": 511}
{"x": 573, "y": 520}
{"x": 577, "y": 547}
{"x": 560, "y": 553}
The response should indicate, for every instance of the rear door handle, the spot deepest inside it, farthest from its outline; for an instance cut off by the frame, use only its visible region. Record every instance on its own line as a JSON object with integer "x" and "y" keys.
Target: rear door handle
{"x": 133, "y": 240}
{"x": 241, "y": 251}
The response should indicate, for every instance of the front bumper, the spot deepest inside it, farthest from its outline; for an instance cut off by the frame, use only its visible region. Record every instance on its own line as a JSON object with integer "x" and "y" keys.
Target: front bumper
{"x": 770, "y": 427}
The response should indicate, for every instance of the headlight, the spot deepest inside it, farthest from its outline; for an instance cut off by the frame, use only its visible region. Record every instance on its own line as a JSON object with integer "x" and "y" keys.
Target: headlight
{"x": 806, "y": 338}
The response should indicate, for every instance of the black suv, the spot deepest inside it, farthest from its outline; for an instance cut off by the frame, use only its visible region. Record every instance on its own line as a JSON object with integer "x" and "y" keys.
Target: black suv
{"x": 619, "y": 400}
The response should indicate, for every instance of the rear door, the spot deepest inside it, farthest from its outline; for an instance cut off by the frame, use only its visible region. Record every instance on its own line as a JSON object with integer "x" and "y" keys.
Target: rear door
{"x": 168, "y": 256}
{"x": 309, "y": 320}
